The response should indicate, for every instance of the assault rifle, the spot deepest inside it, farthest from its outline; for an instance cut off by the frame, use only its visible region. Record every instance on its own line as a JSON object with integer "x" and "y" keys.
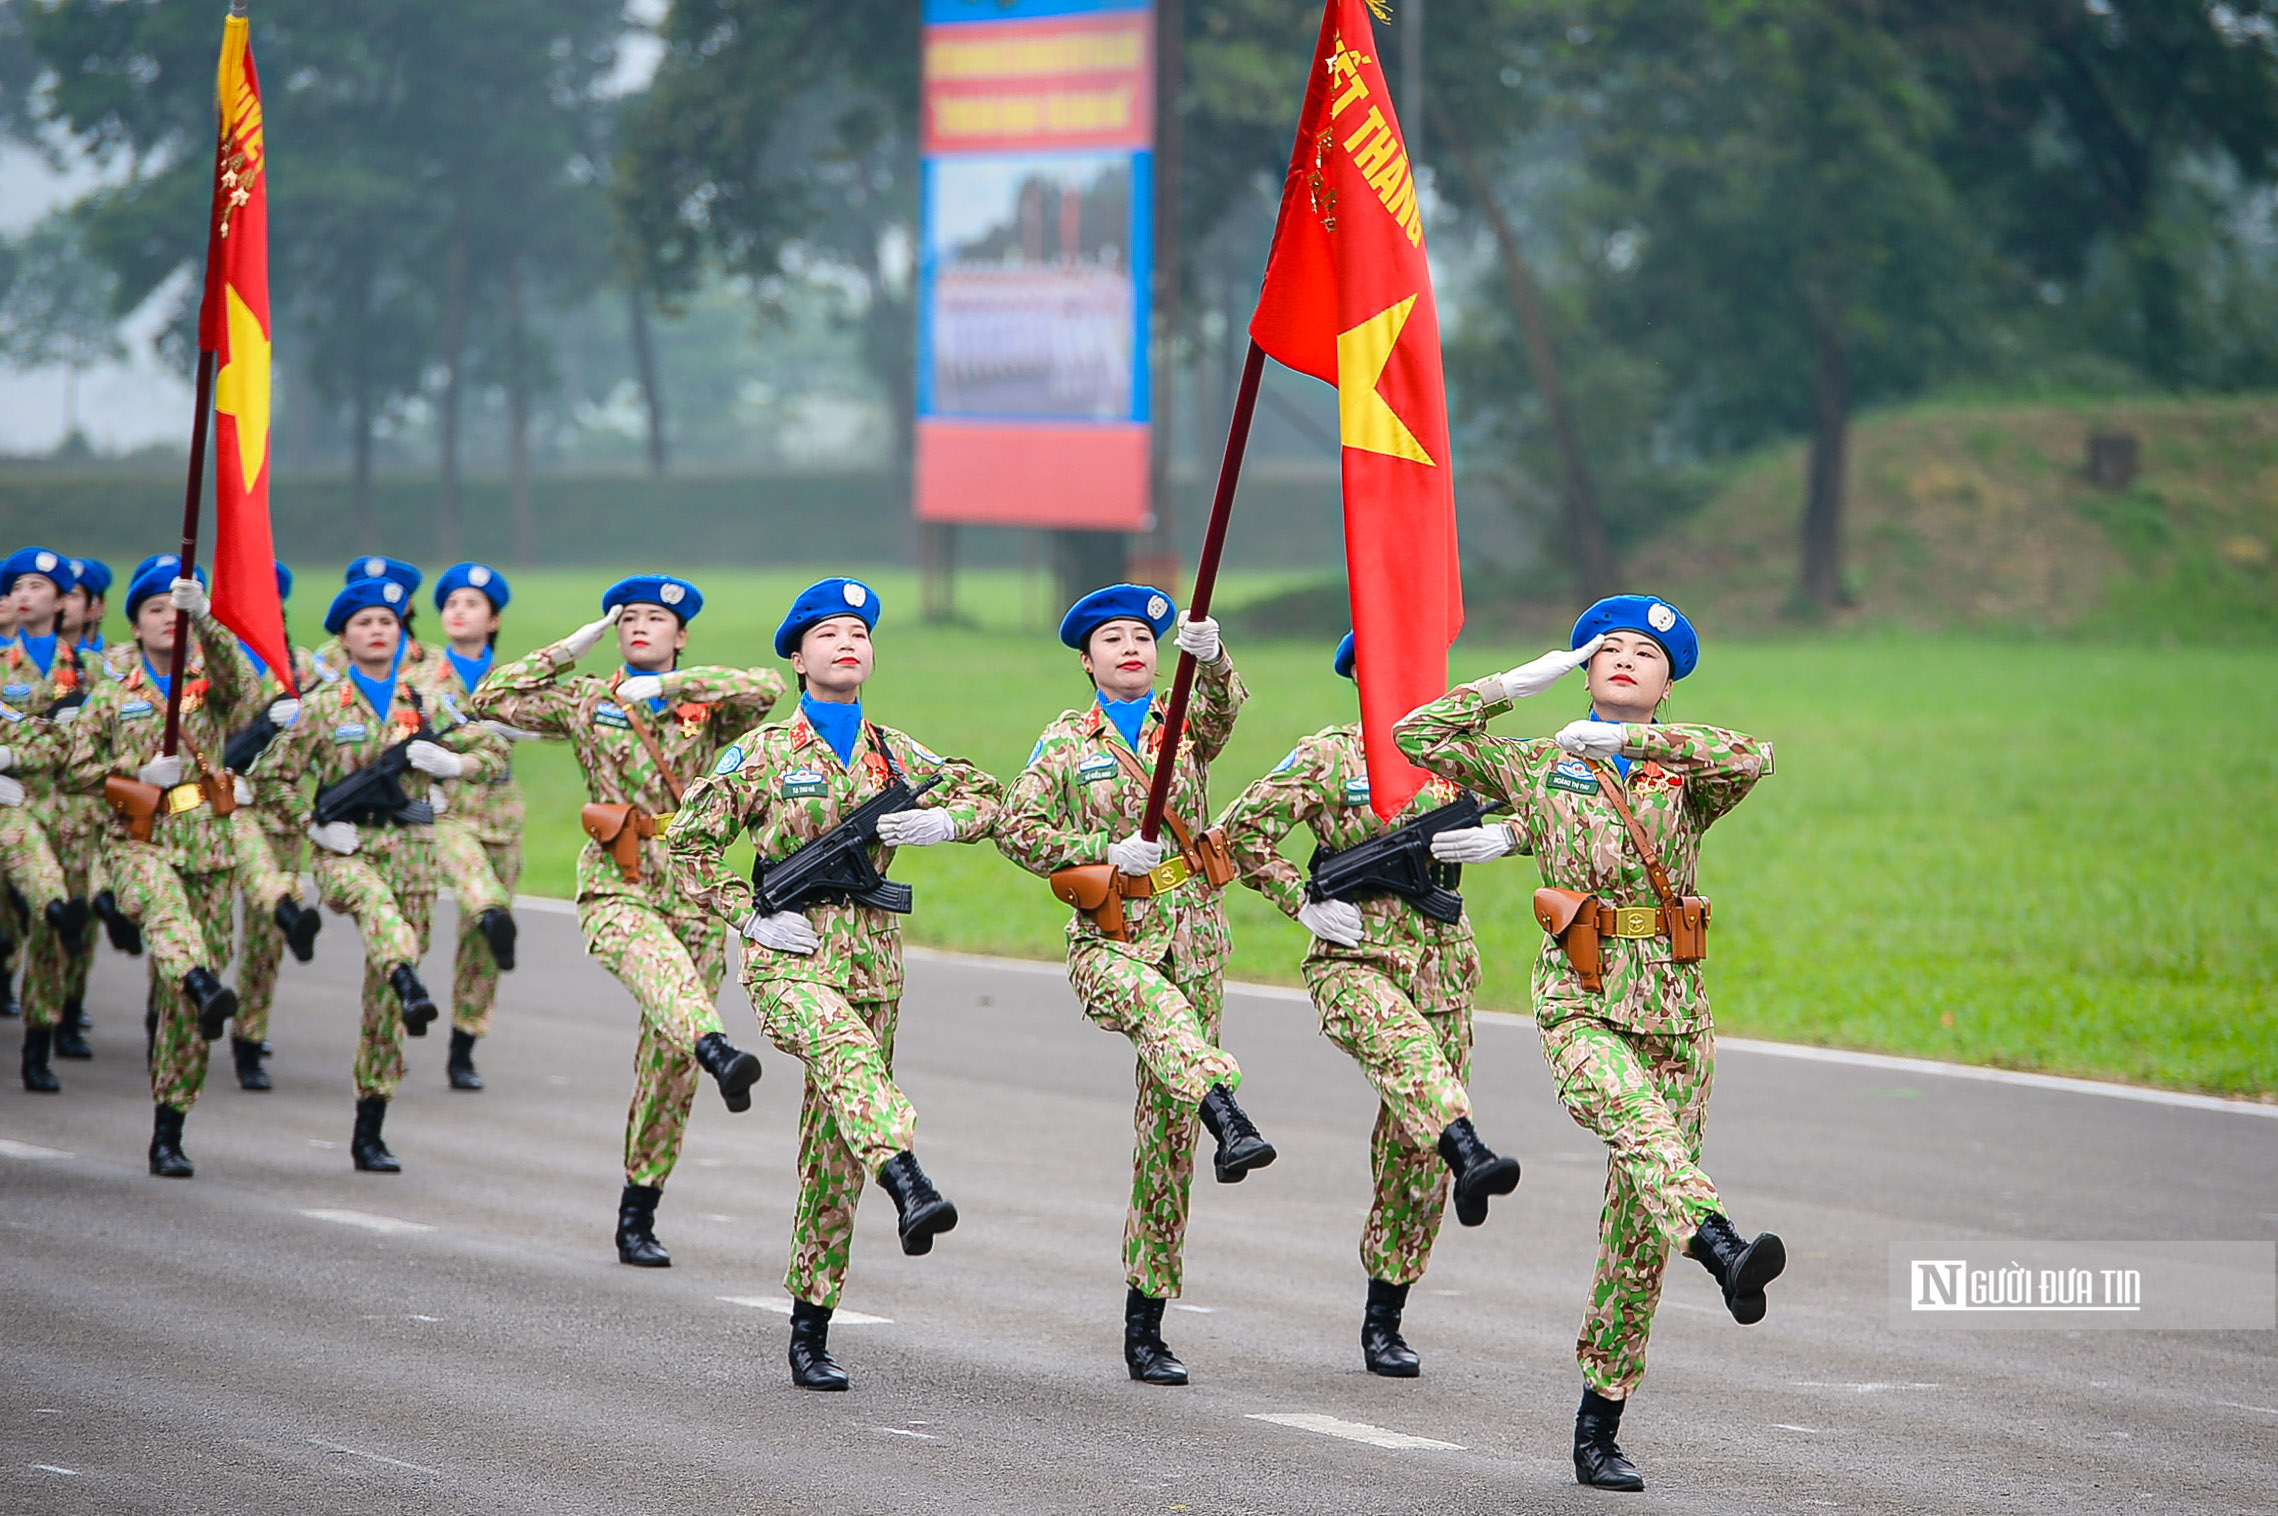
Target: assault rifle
{"x": 249, "y": 744}
{"x": 835, "y": 868}
{"x": 1400, "y": 863}
{"x": 375, "y": 791}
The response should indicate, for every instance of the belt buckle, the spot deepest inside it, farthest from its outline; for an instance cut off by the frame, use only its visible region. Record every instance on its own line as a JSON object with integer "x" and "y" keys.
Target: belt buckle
{"x": 1169, "y": 874}
{"x": 1634, "y": 921}
{"x": 184, "y": 797}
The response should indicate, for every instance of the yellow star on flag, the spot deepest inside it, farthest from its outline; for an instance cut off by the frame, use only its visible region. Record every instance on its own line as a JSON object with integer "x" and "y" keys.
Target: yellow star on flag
{"x": 241, "y": 389}
{"x": 1363, "y": 417}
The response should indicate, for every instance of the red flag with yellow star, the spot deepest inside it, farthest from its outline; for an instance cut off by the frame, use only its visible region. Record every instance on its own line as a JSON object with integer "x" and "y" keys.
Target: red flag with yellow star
{"x": 1348, "y": 299}
{"x": 233, "y": 324}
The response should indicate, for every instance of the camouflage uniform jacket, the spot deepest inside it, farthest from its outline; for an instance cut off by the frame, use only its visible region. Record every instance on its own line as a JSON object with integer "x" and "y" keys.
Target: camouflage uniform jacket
{"x": 1681, "y": 779}
{"x": 784, "y": 786}
{"x": 338, "y": 732}
{"x": 123, "y": 725}
{"x": 1075, "y": 798}
{"x": 493, "y": 807}
{"x": 1323, "y": 785}
{"x": 705, "y": 708}
{"x": 71, "y": 817}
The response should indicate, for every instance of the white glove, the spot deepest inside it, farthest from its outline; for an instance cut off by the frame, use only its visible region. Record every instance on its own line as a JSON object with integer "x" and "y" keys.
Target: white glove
{"x": 1199, "y": 638}
{"x": 188, "y": 595}
{"x": 1533, "y": 678}
{"x": 1472, "y": 844}
{"x": 336, "y": 837}
{"x": 587, "y": 637}
{"x": 242, "y": 788}
{"x": 11, "y": 791}
{"x": 67, "y": 715}
{"x": 7, "y": 759}
{"x": 641, "y": 687}
{"x": 1335, "y": 921}
{"x": 510, "y": 733}
{"x": 429, "y": 758}
{"x": 1590, "y": 739}
{"x": 165, "y": 771}
{"x": 437, "y": 801}
{"x": 785, "y": 932}
{"x": 916, "y": 828}
{"x": 1135, "y": 854}
{"x": 282, "y": 713}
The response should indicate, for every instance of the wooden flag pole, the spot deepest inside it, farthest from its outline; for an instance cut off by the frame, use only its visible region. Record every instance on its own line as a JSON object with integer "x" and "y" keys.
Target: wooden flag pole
{"x": 1205, "y": 580}
{"x": 190, "y": 500}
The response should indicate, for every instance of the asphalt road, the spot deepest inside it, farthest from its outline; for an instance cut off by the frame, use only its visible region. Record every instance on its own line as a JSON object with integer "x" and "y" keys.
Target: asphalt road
{"x": 223, "y": 1345}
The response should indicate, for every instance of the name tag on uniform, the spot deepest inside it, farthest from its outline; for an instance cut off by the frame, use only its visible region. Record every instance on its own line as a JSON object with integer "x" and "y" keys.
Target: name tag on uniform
{"x": 352, "y": 732}
{"x": 1096, "y": 768}
{"x": 134, "y": 708}
{"x": 606, "y": 714}
{"x": 1575, "y": 776}
{"x": 805, "y": 784}
{"x": 1356, "y": 792}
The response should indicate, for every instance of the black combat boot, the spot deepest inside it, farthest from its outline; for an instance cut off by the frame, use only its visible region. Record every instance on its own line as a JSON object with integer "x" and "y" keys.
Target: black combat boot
{"x": 812, "y": 1366}
{"x": 418, "y": 1006}
{"x": 1741, "y": 1269}
{"x": 1240, "y": 1148}
{"x": 38, "y": 1077}
{"x": 70, "y": 1040}
{"x": 1381, "y": 1344}
{"x": 462, "y": 1065}
{"x": 1478, "y": 1172}
{"x": 637, "y": 1228}
{"x": 736, "y": 1070}
{"x": 9, "y": 1006}
{"x": 498, "y": 929}
{"x": 68, "y": 918}
{"x": 1598, "y": 1459}
{"x": 924, "y": 1212}
{"x": 1145, "y": 1354}
{"x": 216, "y": 1002}
{"x": 366, "y": 1147}
{"x": 300, "y": 924}
{"x": 247, "y": 1054}
{"x": 125, "y": 935}
{"x": 167, "y": 1160}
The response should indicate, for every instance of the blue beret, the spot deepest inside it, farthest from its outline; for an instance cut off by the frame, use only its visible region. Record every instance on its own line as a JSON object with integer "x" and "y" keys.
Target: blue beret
{"x": 1655, "y": 618}
{"x": 475, "y": 576}
{"x": 675, "y": 595}
{"x": 38, "y": 560}
{"x": 820, "y": 602}
{"x": 94, "y": 575}
{"x": 1343, "y": 661}
{"x": 363, "y": 595}
{"x": 155, "y": 577}
{"x": 377, "y": 567}
{"x": 1118, "y": 602}
{"x": 284, "y": 582}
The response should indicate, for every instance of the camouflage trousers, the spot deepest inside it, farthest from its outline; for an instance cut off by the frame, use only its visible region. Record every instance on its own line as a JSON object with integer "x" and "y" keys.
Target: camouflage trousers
{"x": 672, "y": 964}
{"x": 832, "y": 1172}
{"x": 1645, "y": 1097}
{"x": 54, "y": 977}
{"x": 185, "y": 920}
{"x": 482, "y": 875}
{"x": 269, "y": 862}
{"x": 393, "y": 923}
{"x": 848, "y": 1073}
{"x": 1418, "y": 1061}
{"x": 1173, "y": 1027}
{"x": 27, "y": 862}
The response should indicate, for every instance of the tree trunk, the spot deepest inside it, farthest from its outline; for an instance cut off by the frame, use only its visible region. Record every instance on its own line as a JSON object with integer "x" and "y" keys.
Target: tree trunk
{"x": 367, "y": 529}
{"x": 1170, "y": 144}
{"x": 1595, "y": 572}
{"x": 518, "y": 422}
{"x": 645, "y": 367}
{"x": 454, "y": 361}
{"x": 1822, "y": 586}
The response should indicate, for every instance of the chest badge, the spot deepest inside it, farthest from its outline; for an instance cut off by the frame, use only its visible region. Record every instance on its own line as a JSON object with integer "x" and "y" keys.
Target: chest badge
{"x": 1574, "y": 776}
{"x": 805, "y": 784}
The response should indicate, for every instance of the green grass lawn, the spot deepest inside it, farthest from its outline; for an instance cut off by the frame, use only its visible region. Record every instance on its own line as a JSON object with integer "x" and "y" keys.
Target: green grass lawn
{"x": 2035, "y": 855}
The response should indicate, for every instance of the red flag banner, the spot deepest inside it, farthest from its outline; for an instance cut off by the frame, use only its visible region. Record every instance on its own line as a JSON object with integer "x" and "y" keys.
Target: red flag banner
{"x": 1348, "y": 299}
{"x": 233, "y": 324}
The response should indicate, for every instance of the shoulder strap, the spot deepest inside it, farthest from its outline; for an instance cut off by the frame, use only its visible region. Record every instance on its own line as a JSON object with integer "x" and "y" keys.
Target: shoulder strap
{"x": 1133, "y": 769}
{"x": 648, "y": 743}
{"x": 878, "y": 741}
{"x": 1609, "y": 786}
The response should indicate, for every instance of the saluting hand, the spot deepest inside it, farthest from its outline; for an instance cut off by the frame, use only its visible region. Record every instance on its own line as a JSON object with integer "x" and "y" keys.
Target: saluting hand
{"x": 1533, "y": 678}
{"x": 587, "y": 637}
{"x": 640, "y": 686}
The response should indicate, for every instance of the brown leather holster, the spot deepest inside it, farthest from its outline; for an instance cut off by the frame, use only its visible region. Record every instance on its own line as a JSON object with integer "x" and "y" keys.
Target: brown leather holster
{"x": 1099, "y": 889}
{"x": 1571, "y": 919}
{"x": 139, "y": 803}
{"x": 620, "y": 829}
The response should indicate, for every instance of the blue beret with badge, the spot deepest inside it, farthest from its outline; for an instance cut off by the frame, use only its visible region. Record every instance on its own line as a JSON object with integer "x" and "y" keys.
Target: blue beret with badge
{"x": 284, "y": 582}
{"x": 473, "y": 576}
{"x": 155, "y": 577}
{"x": 1118, "y": 602}
{"x": 1649, "y": 615}
{"x": 375, "y": 566}
{"x": 820, "y": 602}
{"x": 38, "y": 560}
{"x": 94, "y": 575}
{"x": 675, "y": 595}
{"x": 363, "y": 595}
{"x": 1343, "y": 661}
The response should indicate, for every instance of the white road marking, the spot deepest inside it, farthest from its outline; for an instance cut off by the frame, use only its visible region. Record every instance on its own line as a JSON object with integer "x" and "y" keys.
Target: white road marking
{"x": 10, "y": 1148}
{"x": 319, "y": 1142}
{"x": 370, "y": 1221}
{"x": 1856, "y": 1389}
{"x": 49, "y": 1468}
{"x": 1352, "y": 1431}
{"x": 426, "y": 1318}
{"x": 899, "y": 1432}
{"x": 1791, "y": 1427}
{"x": 546, "y": 904}
{"x": 393, "y": 1463}
{"x": 2240, "y": 1406}
{"x": 782, "y": 1307}
{"x": 1199, "y": 1310}
{"x": 712, "y": 1216}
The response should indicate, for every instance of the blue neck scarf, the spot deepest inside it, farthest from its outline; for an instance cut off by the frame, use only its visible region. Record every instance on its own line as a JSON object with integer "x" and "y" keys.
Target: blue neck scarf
{"x": 656, "y": 702}
{"x": 378, "y": 693}
{"x": 42, "y": 649}
{"x": 165, "y": 685}
{"x": 92, "y": 642}
{"x": 1129, "y": 716}
{"x": 471, "y": 670}
{"x": 836, "y": 724}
